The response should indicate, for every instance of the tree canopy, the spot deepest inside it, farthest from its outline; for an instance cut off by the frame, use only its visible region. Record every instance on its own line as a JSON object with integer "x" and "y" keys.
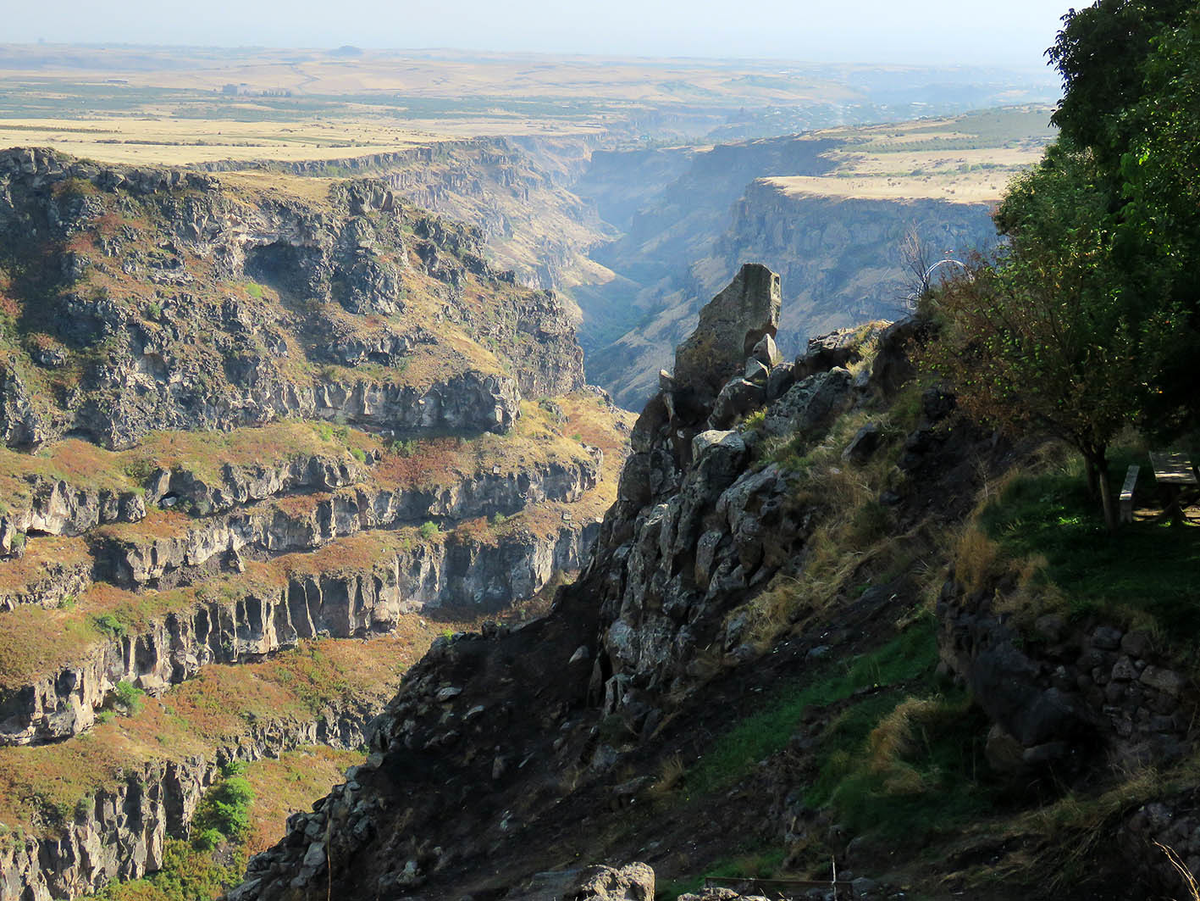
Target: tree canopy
{"x": 1087, "y": 320}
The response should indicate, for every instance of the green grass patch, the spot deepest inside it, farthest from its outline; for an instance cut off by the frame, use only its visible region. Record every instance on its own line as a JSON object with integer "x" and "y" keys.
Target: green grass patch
{"x": 1145, "y": 567}
{"x": 765, "y": 863}
{"x": 910, "y": 655}
{"x": 905, "y": 768}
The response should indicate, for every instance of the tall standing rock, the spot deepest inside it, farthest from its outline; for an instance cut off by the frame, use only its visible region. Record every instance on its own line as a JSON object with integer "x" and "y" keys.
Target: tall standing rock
{"x": 731, "y": 324}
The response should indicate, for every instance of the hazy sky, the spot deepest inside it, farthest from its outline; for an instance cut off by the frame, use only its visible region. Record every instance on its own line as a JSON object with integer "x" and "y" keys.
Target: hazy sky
{"x": 1015, "y": 32}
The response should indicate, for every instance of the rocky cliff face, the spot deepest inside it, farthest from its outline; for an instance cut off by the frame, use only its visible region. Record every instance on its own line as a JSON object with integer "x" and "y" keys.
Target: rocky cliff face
{"x": 246, "y": 430}
{"x": 247, "y": 622}
{"x": 150, "y": 313}
{"x": 839, "y": 259}
{"x": 842, "y": 256}
{"x": 513, "y": 191}
{"x": 121, "y": 833}
{"x": 697, "y": 530}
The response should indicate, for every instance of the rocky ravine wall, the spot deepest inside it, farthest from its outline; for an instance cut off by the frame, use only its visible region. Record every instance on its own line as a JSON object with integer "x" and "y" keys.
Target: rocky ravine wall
{"x": 169, "y": 361}
{"x": 146, "y": 562}
{"x": 235, "y": 630}
{"x": 840, "y": 256}
{"x": 695, "y": 531}
{"x": 121, "y": 832}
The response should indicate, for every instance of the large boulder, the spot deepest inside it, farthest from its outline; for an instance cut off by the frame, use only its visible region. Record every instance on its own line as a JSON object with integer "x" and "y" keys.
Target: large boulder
{"x": 634, "y": 882}
{"x": 730, "y": 327}
{"x": 810, "y": 404}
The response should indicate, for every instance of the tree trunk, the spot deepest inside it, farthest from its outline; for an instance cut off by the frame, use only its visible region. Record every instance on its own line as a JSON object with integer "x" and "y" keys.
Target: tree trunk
{"x": 1096, "y": 460}
{"x": 1093, "y": 483}
{"x": 1106, "y": 501}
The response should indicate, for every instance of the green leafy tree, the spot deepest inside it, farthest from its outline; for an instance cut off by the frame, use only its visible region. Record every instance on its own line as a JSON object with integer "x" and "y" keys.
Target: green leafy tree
{"x": 1101, "y": 53}
{"x": 1087, "y": 322}
{"x": 129, "y": 698}
{"x": 1131, "y": 72}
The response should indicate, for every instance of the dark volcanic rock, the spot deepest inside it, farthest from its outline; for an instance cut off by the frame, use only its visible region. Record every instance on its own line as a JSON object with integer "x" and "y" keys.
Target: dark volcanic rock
{"x": 731, "y": 324}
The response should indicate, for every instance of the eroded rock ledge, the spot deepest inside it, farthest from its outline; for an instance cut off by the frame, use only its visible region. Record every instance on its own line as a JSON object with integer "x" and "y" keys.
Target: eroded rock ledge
{"x": 258, "y": 621}
{"x": 149, "y": 561}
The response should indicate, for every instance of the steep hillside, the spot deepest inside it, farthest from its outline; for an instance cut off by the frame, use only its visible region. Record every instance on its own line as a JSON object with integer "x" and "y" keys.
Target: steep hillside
{"x": 805, "y": 635}
{"x": 262, "y": 448}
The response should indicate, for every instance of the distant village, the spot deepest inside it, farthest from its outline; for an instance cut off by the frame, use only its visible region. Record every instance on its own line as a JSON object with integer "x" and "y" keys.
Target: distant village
{"x": 245, "y": 90}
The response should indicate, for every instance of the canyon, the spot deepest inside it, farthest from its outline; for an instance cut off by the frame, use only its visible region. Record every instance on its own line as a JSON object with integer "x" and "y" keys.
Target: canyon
{"x": 302, "y": 471}
{"x": 258, "y": 445}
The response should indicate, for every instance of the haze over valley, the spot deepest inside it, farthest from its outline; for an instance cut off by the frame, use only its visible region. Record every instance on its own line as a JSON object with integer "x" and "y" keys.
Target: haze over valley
{"x": 646, "y": 453}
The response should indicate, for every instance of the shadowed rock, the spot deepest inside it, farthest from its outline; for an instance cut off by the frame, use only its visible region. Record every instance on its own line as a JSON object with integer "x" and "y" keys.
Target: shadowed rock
{"x": 731, "y": 324}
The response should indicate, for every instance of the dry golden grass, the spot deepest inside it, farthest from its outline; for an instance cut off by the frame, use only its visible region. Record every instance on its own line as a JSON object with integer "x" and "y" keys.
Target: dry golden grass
{"x": 962, "y": 159}
{"x": 542, "y": 95}
{"x": 290, "y": 783}
{"x": 79, "y": 463}
{"x": 1185, "y": 874}
{"x": 43, "y": 557}
{"x": 977, "y": 559}
{"x": 896, "y": 737}
{"x": 670, "y": 774}
{"x": 1071, "y": 830}
{"x": 854, "y": 541}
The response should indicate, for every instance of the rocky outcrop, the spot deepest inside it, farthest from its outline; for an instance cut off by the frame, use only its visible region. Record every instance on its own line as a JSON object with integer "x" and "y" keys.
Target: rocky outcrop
{"x": 243, "y": 625}
{"x": 236, "y": 486}
{"x": 55, "y": 507}
{"x": 697, "y": 530}
{"x": 731, "y": 324}
{"x": 158, "y": 561}
{"x": 633, "y": 882}
{"x": 1099, "y": 691}
{"x": 20, "y": 426}
{"x": 156, "y": 300}
{"x": 52, "y": 584}
{"x": 471, "y": 402}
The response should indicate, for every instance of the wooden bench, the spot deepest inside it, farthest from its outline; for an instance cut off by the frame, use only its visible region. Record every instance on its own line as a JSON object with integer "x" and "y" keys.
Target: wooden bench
{"x": 1127, "y": 492}
{"x": 1174, "y": 472}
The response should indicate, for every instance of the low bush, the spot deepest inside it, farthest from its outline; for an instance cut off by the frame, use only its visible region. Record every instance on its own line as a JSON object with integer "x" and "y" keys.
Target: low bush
{"x": 111, "y": 626}
{"x": 186, "y": 875}
{"x": 128, "y": 698}
{"x": 223, "y": 814}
